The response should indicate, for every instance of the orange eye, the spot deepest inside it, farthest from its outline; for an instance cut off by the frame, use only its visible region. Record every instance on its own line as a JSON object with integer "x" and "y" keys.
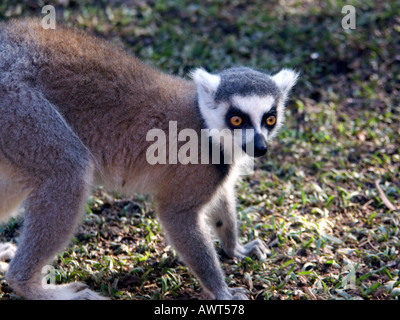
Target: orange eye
{"x": 271, "y": 120}
{"x": 236, "y": 121}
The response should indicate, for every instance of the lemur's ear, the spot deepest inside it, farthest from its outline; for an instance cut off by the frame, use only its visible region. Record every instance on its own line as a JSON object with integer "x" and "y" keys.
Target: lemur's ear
{"x": 285, "y": 80}
{"x": 205, "y": 81}
{"x": 206, "y": 85}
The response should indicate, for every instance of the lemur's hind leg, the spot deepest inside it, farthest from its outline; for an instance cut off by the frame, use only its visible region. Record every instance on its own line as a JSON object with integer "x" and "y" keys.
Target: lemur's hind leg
{"x": 12, "y": 194}
{"x": 57, "y": 169}
{"x": 223, "y": 218}
{"x": 53, "y": 211}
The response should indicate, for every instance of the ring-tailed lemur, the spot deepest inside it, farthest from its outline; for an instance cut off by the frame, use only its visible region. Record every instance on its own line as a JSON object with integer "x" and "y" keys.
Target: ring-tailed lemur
{"x": 75, "y": 111}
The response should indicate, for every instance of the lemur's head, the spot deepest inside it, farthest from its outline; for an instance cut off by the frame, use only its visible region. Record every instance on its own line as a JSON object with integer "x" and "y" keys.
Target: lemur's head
{"x": 242, "y": 98}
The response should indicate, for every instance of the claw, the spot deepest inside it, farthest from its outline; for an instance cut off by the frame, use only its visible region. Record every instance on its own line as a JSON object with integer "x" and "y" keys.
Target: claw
{"x": 254, "y": 248}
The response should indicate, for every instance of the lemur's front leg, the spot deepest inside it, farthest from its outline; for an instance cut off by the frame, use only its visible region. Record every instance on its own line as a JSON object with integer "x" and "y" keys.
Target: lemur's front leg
{"x": 224, "y": 221}
{"x": 186, "y": 231}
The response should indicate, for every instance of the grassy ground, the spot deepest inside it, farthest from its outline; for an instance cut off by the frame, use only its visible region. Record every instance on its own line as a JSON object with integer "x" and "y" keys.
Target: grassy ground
{"x": 321, "y": 199}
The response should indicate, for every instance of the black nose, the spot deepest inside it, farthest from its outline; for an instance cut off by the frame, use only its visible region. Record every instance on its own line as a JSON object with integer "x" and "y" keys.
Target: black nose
{"x": 259, "y": 145}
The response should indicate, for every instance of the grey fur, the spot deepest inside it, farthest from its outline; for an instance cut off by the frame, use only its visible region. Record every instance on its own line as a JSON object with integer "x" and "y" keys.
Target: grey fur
{"x": 75, "y": 111}
{"x": 245, "y": 82}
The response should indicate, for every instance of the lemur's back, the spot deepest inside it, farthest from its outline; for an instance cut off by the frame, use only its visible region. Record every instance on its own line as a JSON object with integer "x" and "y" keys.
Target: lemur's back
{"x": 97, "y": 88}
{"x": 75, "y": 69}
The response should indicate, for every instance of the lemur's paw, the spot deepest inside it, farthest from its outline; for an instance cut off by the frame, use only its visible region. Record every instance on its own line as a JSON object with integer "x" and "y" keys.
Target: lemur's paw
{"x": 238, "y": 293}
{"x": 232, "y": 294}
{"x": 7, "y": 252}
{"x": 32, "y": 290}
{"x": 3, "y": 267}
{"x": 255, "y": 248}
{"x": 80, "y": 291}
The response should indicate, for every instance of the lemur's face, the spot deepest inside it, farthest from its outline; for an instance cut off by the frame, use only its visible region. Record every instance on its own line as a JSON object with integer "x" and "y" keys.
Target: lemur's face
{"x": 256, "y": 117}
{"x": 247, "y": 103}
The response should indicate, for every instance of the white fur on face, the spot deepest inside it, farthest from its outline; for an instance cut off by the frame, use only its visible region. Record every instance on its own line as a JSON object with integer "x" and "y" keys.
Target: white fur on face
{"x": 255, "y": 107}
{"x": 206, "y": 85}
